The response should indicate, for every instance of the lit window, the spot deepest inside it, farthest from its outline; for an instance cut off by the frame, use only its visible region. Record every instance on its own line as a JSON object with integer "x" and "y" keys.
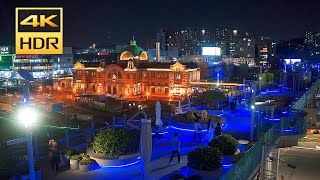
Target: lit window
{"x": 178, "y": 76}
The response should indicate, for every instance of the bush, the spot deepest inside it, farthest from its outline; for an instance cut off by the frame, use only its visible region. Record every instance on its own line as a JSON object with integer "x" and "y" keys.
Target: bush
{"x": 76, "y": 157}
{"x": 71, "y": 152}
{"x": 86, "y": 161}
{"x": 210, "y": 98}
{"x": 191, "y": 116}
{"x": 205, "y": 158}
{"x": 117, "y": 142}
{"x": 225, "y": 143}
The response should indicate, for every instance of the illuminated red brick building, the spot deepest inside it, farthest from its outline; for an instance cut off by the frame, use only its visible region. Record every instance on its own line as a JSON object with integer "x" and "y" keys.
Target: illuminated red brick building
{"x": 135, "y": 76}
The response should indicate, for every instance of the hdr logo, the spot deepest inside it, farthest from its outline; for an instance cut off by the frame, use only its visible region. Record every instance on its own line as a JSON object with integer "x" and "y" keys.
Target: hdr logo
{"x": 39, "y": 31}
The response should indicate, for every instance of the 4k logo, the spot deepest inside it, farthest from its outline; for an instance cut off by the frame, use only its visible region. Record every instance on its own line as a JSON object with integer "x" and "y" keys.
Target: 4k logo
{"x": 39, "y": 31}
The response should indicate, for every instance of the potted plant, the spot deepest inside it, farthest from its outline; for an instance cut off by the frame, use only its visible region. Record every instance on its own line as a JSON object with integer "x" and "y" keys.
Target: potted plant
{"x": 205, "y": 158}
{"x": 225, "y": 143}
{"x": 85, "y": 164}
{"x": 65, "y": 157}
{"x": 74, "y": 162}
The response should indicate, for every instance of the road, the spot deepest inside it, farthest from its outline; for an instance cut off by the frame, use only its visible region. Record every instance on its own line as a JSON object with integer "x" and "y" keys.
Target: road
{"x": 306, "y": 161}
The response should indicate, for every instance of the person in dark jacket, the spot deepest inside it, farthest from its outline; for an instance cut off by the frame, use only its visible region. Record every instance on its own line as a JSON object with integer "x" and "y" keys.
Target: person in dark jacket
{"x": 54, "y": 155}
{"x": 218, "y": 130}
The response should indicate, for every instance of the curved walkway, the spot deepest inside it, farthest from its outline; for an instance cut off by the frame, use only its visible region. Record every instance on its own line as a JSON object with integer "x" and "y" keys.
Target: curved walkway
{"x": 236, "y": 125}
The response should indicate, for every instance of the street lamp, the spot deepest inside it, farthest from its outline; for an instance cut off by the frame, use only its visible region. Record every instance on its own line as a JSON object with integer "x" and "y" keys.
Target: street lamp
{"x": 27, "y": 117}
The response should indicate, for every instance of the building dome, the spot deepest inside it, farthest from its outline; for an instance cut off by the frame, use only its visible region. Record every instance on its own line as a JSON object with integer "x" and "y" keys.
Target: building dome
{"x": 133, "y": 52}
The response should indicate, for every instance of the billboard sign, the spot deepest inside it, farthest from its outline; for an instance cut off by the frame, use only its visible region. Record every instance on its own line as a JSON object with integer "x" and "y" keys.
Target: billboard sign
{"x": 211, "y": 51}
{"x": 4, "y": 50}
{"x": 292, "y": 61}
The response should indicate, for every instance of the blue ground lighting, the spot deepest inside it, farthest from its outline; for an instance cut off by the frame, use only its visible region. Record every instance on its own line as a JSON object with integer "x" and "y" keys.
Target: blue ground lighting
{"x": 124, "y": 165}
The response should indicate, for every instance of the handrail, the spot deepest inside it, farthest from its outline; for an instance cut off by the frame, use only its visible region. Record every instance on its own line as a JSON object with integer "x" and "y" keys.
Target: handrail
{"x": 136, "y": 114}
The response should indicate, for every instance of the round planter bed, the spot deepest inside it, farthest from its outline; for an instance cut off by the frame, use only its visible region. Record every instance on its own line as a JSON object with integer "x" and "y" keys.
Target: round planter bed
{"x": 121, "y": 161}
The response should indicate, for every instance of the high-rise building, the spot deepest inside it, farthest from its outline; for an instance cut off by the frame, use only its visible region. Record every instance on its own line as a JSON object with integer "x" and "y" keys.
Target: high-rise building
{"x": 246, "y": 48}
{"x": 233, "y": 43}
{"x": 263, "y": 45}
{"x": 165, "y": 38}
{"x": 191, "y": 40}
{"x": 309, "y": 38}
{"x": 317, "y": 39}
{"x": 222, "y": 40}
{"x": 228, "y": 41}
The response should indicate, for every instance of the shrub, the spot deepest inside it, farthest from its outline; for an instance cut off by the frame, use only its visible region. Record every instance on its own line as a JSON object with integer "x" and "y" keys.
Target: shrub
{"x": 76, "y": 157}
{"x": 211, "y": 98}
{"x": 116, "y": 142}
{"x": 205, "y": 158}
{"x": 191, "y": 116}
{"x": 86, "y": 161}
{"x": 71, "y": 152}
{"x": 225, "y": 143}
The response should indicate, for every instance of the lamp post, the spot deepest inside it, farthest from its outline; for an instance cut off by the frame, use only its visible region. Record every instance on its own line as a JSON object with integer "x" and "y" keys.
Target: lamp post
{"x": 218, "y": 77}
{"x": 26, "y": 112}
{"x": 253, "y": 99}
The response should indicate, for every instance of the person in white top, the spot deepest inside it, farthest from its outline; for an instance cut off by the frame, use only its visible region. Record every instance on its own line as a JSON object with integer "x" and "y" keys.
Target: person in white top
{"x": 197, "y": 131}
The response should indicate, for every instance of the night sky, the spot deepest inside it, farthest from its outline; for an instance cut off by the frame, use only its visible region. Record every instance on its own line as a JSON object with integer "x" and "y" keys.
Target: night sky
{"x": 116, "y": 21}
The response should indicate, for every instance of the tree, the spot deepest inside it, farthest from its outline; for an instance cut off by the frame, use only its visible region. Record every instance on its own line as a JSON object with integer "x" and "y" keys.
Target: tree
{"x": 210, "y": 97}
{"x": 267, "y": 77}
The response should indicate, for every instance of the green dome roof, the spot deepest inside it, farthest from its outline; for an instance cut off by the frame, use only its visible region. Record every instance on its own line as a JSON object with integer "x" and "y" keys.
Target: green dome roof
{"x": 133, "y": 48}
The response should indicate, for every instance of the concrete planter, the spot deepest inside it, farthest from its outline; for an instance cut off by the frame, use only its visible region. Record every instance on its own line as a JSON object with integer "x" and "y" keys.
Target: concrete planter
{"x": 85, "y": 168}
{"x": 74, "y": 164}
{"x": 104, "y": 161}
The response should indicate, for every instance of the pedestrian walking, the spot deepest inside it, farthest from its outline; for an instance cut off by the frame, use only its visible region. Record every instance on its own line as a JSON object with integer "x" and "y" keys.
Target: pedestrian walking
{"x": 210, "y": 130}
{"x": 175, "y": 144}
{"x": 54, "y": 155}
{"x": 197, "y": 131}
{"x": 227, "y": 100}
{"x": 218, "y": 130}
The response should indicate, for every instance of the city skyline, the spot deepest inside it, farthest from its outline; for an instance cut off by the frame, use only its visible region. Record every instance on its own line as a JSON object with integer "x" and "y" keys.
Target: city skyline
{"x": 105, "y": 22}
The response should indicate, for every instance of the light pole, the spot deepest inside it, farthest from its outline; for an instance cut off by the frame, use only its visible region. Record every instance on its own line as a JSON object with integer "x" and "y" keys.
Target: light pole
{"x": 218, "y": 77}
{"x": 26, "y": 112}
{"x": 27, "y": 117}
{"x": 253, "y": 99}
{"x": 260, "y": 79}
